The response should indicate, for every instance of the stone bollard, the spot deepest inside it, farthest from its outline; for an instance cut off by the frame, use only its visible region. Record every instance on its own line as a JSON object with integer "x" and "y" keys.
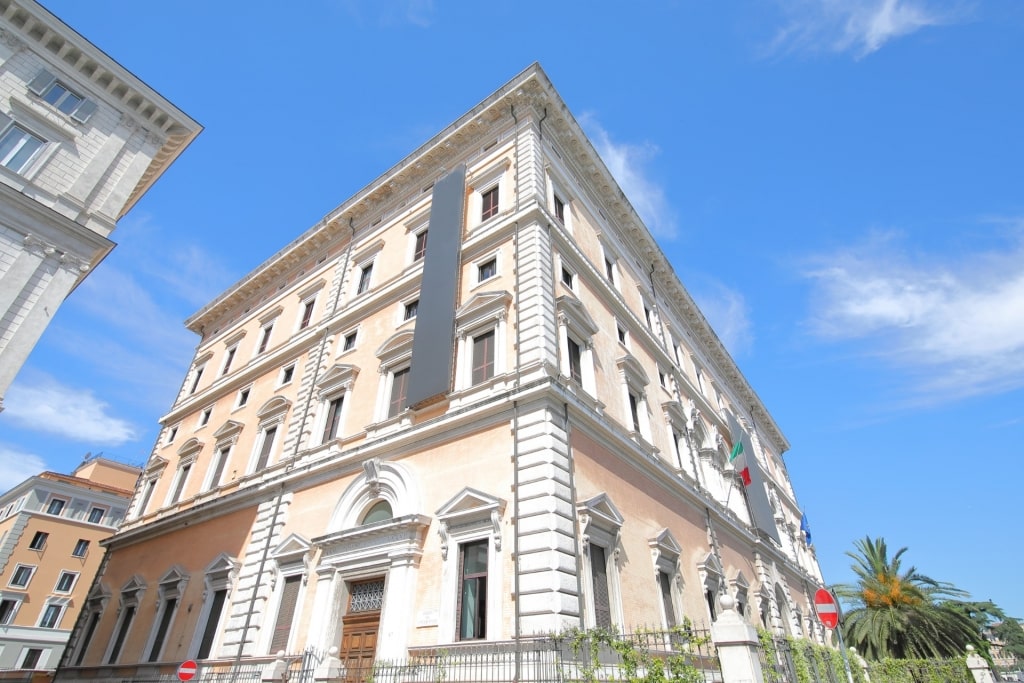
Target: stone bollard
{"x": 277, "y": 670}
{"x": 330, "y": 668}
{"x": 737, "y": 644}
{"x": 979, "y": 667}
{"x": 859, "y": 662}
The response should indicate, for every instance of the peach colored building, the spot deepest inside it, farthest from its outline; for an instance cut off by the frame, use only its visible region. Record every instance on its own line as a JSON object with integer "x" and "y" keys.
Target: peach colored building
{"x": 50, "y": 529}
{"x": 472, "y": 403}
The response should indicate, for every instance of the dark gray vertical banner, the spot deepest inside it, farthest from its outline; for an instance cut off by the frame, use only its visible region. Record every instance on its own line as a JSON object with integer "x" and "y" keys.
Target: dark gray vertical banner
{"x": 433, "y": 346}
{"x": 757, "y": 494}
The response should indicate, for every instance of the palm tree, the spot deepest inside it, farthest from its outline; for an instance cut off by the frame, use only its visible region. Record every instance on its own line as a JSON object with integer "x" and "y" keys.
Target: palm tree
{"x": 899, "y": 613}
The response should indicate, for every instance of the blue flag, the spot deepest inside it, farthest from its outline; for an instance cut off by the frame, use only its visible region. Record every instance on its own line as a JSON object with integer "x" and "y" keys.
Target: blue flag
{"x": 806, "y": 528}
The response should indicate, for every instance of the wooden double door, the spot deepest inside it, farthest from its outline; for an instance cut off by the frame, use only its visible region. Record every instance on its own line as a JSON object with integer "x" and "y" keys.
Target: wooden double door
{"x": 360, "y": 627}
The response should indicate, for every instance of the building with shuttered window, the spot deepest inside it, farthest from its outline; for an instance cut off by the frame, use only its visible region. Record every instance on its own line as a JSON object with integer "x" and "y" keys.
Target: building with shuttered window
{"x": 473, "y": 403}
{"x": 50, "y": 529}
{"x": 81, "y": 141}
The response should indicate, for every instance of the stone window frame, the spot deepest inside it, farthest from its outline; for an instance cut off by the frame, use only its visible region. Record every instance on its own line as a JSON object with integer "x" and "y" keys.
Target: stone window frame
{"x": 188, "y": 456}
{"x": 574, "y": 322}
{"x": 484, "y": 312}
{"x": 600, "y": 523}
{"x": 394, "y": 355}
{"x": 130, "y": 596}
{"x": 171, "y": 586}
{"x": 223, "y": 450}
{"x": 712, "y": 580}
{"x": 480, "y": 183}
{"x": 665, "y": 554}
{"x": 634, "y": 382}
{"x": 272, "y": 414}
{"x": 147, "y": 486}
{"x": 338, "y": 382}
{"x": 470, "y": 516}
{"x": 220, "y": 574}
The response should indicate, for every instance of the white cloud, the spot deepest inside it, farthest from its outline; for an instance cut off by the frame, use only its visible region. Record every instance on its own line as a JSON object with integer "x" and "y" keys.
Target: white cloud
{"x": 38, "y": 402}
{"x": 729, "y": 315}
{"x": 17, "y": 466}
{"x": 627, "y": 163}
{"x": 957, "y": 324}
{"x": 858, "y": 26}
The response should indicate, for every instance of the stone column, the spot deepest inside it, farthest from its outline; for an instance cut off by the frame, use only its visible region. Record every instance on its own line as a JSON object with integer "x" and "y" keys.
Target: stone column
{"x": 737, "y": 645}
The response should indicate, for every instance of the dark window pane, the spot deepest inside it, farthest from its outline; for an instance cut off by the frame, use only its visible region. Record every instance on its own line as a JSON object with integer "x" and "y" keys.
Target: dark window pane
{"x": 483, "y": 357}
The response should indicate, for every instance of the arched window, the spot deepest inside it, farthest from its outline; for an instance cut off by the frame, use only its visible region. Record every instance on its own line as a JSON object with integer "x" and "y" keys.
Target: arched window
{"x": 379, "y": 512}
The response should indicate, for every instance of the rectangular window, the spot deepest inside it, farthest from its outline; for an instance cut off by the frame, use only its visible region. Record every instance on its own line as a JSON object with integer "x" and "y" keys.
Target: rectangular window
{"x": 66, "y": 582}
{"x": 195, "y": 380}
{"x": 172, "y": 433}
{"x": 364, "y": 278}
{"x": 266, "y": 448}
{"x": 575, "y": 361}
{"x": 147, "y": 493}
{"x": 56, "y": 506}
{"x": 179, "y": 486}
{"x": 568, "y": 278}
{"x": 7, "y": 611}
{"x": 265, "y": 338}
{"x": 94, "y": 620}
{"x": 32, "y": 656}
{"x": 489, "y": 203}
{"x": 410, "y": 310}
{"x": 22, "y": 575}
{"x": 161, "y": 632}
{"x": 221, "y": 463}
{"x": 243, "y": 397}
{"x": 487, "y": 270}
{"x": 204, "y": 417}
{"x": 421, "y": 246}
{"x": 61, "y": 97}
{"x": 599, "y": 576}
{"x": 18, "y": 147}
{"x": 609, "y": 270}
{"x": 287, "y": 374}
{"x": 96, "y": 515}
{"x": 212, "y": 622}
{"x": 333, "y": 422}
{"x": 285, "y": 613}
{"x": 228, "y": 358}
{"x": 559, "y": 209}
{"x": 51, "y": 616}
{"x": 307, "y": 314}
{"x": 38, "y": 540}
{"x": 665, "y": 584}
{"x": 122, "y": 632}
{"x": 483, "y": 357}
{"x": 350, "y": 342}
{"x": 81, "y": 548}
{"x": 399, "y": 387}
{"x": 634, "y": 411}
{"x": 472, "y": 607}
{"x": 623, "y": 336}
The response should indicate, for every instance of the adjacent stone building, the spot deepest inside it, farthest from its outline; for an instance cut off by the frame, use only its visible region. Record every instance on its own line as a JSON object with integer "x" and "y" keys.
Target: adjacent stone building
{"x": 473, "y": 403}
{"x": 50, "y": 529}
{"x": 81, "y": 140}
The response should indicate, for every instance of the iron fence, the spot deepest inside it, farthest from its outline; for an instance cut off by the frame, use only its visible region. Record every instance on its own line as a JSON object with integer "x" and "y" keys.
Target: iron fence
{"x": 595, "y": 656}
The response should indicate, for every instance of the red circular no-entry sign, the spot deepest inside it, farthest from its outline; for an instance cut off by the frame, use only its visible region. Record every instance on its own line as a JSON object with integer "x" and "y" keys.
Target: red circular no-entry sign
{"x": 187, "y": 670}
{"x": 826, "y": 607}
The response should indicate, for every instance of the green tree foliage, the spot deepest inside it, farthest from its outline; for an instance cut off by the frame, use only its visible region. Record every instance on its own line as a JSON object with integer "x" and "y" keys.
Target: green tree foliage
{"x": 901, "y": 613}
{"x": 1010, "y": 632}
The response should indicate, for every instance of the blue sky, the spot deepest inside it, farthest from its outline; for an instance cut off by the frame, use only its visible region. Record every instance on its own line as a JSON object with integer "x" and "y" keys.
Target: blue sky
{"x": 837, "y": 182}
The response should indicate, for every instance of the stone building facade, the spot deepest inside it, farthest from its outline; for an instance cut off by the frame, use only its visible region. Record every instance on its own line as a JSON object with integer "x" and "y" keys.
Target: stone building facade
{"x": 51, "y": 526}
{"x": 473, "y": 403}
{"x": 81, "y": 140}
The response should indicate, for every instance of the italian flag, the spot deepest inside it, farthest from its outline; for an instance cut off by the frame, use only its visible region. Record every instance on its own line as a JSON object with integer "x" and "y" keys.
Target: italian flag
{"x": 739, "y": 460}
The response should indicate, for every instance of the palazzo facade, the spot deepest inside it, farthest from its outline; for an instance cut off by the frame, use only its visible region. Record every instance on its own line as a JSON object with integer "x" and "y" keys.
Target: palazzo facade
{"x": 473, "y": 403}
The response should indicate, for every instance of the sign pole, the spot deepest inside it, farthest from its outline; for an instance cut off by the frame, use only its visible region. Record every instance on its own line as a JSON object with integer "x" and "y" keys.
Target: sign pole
{"x": 827, "y": 608}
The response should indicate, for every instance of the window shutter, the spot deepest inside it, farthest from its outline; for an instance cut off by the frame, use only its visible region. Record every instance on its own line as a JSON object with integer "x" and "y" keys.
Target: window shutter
{"x": 84, "y": 110}
{"x": 285, "y": 614}
{"x": 5, "y": 121}
{"x": 599, "y": 574}
{"x": 41, "y": 82}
